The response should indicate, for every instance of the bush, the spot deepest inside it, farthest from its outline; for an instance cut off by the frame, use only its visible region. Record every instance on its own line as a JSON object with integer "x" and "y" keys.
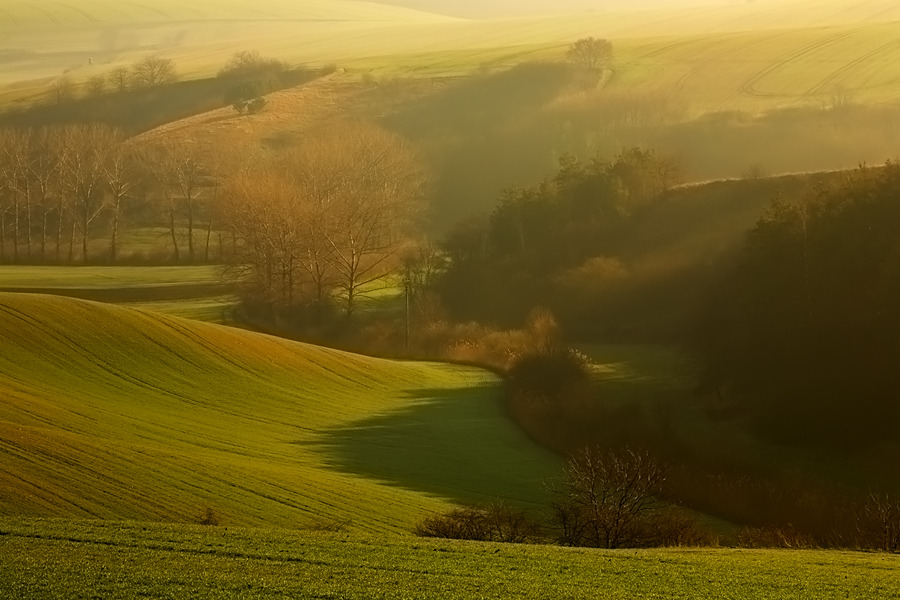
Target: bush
{"x": 497, "y": 522}
{"x": 549, "y": 375}
{"x": 879, "y": 523}
{"x": 784, "y": 536}
{"x": 209, "y": 517}
{"x": 675, "y": 527}
{"x": 610, "y": 499}
{"x": 256, "y": 105}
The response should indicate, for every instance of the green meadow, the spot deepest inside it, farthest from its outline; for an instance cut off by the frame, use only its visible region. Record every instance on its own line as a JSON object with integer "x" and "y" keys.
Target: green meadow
{"x": 112, "y": 413}
{"x": 70, "y": 559}
{"x": 194, "y": 292}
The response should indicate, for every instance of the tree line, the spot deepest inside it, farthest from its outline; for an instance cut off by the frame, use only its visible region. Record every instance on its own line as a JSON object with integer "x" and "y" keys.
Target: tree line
{"x": 538, "y": 238}
{"x": 317, "y": 227}
{"x": 150, "y": 92}
{"x": 801, "y": 333}
{"x": 63, "y": 187}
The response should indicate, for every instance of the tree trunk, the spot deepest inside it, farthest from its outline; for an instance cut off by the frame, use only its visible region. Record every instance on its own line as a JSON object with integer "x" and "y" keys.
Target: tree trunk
{"x": 15, "y": 232}
{"x": 2, "y": 237}
{"x": 190, "y": 225}
{"x": 59, "y": 230}
{"x": 175, "y": 253}
{"x": 115, "y": 235}
{"x": 208, "y": 236}
{"x": 28, "y": 223}
{"x": 44, "y": 218}
{"x": 72, "y": 240}
{"x": 85, "y": 224}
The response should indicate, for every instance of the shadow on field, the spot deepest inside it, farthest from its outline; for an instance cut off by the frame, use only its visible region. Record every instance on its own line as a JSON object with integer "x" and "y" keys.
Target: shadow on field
{"x": 456, "y": 444}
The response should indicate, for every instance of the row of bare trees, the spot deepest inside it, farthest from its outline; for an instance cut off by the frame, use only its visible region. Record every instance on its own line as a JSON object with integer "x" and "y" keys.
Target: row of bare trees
{"x": 62, "y": 187}
{"x": 148, "y": 72}
{"x": 324, "y": 221}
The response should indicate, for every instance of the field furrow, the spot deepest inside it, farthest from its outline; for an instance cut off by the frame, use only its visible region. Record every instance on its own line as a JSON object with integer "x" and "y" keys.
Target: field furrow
{"x": 116, "y": 413}
{"x": 749, "y": 87}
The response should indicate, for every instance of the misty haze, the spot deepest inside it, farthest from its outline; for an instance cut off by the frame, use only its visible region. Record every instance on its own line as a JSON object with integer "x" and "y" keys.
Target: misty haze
{"x": 433, "y": 299}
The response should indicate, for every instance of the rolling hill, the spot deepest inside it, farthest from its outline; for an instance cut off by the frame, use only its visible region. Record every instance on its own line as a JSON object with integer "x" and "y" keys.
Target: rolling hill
{"x": 45, "y": 39}
{"x": 114, "y": 413}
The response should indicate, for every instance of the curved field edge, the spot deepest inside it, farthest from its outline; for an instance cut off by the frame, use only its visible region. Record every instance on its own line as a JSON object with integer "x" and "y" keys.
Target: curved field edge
{"x": 116, "y": 413}
{"x": 67, "y": 559}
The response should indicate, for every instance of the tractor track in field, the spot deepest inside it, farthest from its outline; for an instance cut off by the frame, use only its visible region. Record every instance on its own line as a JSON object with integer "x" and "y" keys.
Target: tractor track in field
{"x": 749, "y": 86}
{"x": 8, "y": 16}
{"x": 46, "y": 13}
{"x": 826, "y": 83}
{"x": 149, "y": 9}
{"x": 683, "y": 43}
{"x": 95, "y": 359}
{"x": 700, "y": 66}
{"x": 83, "y": 13}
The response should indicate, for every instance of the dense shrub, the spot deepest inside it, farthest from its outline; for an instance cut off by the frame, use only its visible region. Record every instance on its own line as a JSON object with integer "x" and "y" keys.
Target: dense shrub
{"x": 879, "y": 523}
{"x": 209, "y": 517}
{"x": 608, "y": 498}
{"x": 549, "y": 376}
{"x": 497, "y": 522}
{"x": 785, "y": 536}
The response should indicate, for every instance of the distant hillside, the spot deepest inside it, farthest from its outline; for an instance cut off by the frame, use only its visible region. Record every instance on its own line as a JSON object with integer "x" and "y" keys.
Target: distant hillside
{"x": 812, "y": 12}
{"x": 116, "y": 413}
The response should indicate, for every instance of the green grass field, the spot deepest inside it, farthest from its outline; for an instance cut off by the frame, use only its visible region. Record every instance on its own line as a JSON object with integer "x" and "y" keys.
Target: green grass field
{"x": 96, "y": 278}
{"x": 71, "y": 559}
{"x": 114, "y": 413}
{"x": 194, "y": 292}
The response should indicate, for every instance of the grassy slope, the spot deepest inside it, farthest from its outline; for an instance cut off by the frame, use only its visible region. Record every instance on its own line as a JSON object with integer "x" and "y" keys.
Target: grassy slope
{"x": 195, "y": 292}
{"x": 115, "y": 413}
{"x": 66, "y": 559}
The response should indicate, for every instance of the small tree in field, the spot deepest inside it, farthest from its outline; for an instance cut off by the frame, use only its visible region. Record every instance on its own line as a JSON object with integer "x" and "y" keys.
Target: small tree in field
{"x": 152, "y": 71}
{"x": 590, "y": 54}
{"x": 607, "y": 496}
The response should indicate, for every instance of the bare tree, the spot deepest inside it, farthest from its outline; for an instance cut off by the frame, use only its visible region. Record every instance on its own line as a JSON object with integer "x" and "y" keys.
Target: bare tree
{"x": 13, "y": 181}
{"x": 176, "y": 168}
{"x": 606, "y": 495}
{"x": 87, "y": 151}
{"x": 62, "y": 89}
{"x": 369, "y": 190}
{"x": 241, "y": 64}
{"x": 8, "y": 192}
{"x": 328, "y": 219}
{"x": 96, "y": 85}
{"x": 590, "y": 54}
{"x": 120, "y": 78}
{"x": 880, "y": 522}
{"x": 121, "y": 179}
{"x": 44, "y": 168}
{"x": 153, "y": 71}
{"x": 259, "y": 205}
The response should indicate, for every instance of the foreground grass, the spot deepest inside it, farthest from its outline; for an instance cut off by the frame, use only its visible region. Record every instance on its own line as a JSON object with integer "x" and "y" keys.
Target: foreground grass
{"x": 70, "y": 559}
{"x": 115, "y": 413}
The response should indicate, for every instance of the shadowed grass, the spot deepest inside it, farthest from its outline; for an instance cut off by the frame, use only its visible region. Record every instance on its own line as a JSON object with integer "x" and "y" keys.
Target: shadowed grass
{"x": 389, "y": 447}
{"x": 116, "y": 413}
